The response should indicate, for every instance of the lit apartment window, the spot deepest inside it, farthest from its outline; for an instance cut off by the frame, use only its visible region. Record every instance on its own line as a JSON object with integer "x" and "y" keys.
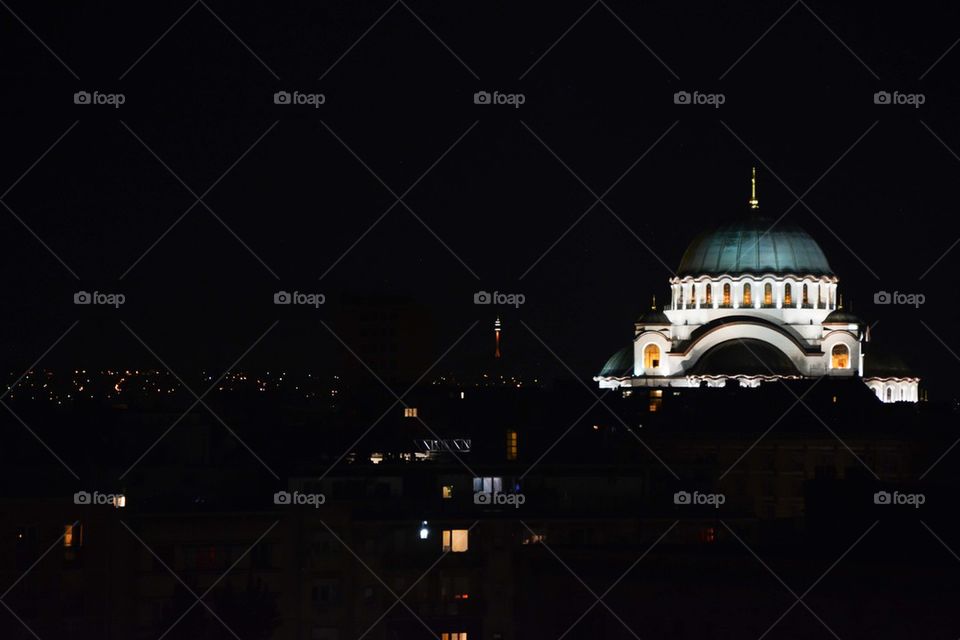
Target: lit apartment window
{"x": 840, "y": 357}
{"x": 512, "y": 444}
{"x": 651, "y": 356}
{"x": 456, "y": 635}
{"x": 447, "y": 491}
{"x": 409, "y": 412}
{"x": 73, "y": 535}
{"x": 455, "y": 540}
{"x": 488, "y": 485}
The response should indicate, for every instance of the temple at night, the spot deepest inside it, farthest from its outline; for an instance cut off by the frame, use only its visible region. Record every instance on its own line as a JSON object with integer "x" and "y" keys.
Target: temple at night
{"x": 754, "y": 300}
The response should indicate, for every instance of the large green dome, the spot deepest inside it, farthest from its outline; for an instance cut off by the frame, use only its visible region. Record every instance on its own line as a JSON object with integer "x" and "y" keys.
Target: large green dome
{"x": 750, "y": 245}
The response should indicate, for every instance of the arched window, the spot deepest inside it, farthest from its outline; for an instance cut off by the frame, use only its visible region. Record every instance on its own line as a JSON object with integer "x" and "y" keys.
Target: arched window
{"x": 726, "y": 295}
{"x": 889, "y": 394}
{"x": 806, "y": 295}
{"x": 746, "y": 295}
{"x": 787, "y": 295}
{"x": 651, "y": 356}
{"x": 840, "y": 357}
{"x": 768, "y": 294}
{"x": 693, "y": 295}
{"x": 709, "y": 295}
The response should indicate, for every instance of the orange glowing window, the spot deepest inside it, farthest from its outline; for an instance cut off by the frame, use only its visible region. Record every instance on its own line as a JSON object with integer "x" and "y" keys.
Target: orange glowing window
{"x": 709, "y": 295}
{"x": 787, "y": 295}
{"x": 840, "y": 357}
{"x": 512, "y": 444}
{"x": 651, "y": 356}
{"x": 726, "y": 295}
{"x": 768, "y": 294}
{"x": 455, "y": 540}
{"x": 747, "y": 298}
{"x": 72, "y": 535}
{"x": 806, "y": 295}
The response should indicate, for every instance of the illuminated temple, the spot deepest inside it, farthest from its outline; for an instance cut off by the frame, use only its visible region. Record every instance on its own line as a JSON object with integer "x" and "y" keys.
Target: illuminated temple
{"x": 754, "y": 301}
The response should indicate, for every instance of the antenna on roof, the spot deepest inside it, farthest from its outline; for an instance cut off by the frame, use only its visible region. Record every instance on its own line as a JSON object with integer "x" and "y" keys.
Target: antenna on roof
{"x": 754, "y": 203}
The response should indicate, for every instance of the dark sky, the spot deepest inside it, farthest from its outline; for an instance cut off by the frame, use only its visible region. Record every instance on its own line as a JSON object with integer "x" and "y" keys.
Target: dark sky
{"x": 801, "y": 99}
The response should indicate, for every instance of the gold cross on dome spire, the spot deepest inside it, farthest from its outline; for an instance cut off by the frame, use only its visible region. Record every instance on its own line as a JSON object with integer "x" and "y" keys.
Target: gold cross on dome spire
{"x": 754, "y": 203}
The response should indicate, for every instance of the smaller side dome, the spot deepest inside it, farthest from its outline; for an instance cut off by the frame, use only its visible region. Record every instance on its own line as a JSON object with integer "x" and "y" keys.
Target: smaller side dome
{"x": 619, "y": 364}
{"x": 841, "y": 316}
{"x": 653, "y": 315}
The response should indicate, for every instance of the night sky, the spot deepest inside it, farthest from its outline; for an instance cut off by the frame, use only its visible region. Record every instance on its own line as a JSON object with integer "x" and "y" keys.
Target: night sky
{"x": 495, "y": 189}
